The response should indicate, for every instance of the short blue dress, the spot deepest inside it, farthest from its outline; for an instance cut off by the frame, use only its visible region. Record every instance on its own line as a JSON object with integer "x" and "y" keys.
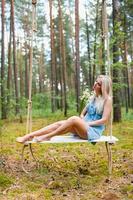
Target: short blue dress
{"x": 93, "y": 132}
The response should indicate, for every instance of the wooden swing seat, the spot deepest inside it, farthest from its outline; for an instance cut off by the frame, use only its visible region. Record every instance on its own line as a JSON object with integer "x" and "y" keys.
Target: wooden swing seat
{"x": 108, "y": 140}
{"x": 73, "y": 139}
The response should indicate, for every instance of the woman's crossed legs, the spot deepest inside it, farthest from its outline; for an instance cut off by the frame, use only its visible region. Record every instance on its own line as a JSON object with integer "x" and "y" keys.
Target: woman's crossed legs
{"x": 73, "y": 124}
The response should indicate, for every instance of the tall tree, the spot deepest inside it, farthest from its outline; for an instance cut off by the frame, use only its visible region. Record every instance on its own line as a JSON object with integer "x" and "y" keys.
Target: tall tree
{"x": 131, "y": 65}
{"x": 41, "y": 70}
{"x": 14, "y": 58}
{"x": 125, "y": 60}
{"x": 20, "y": 57}
{"x": 128, "y": 5}
{"x": 103, "y": 24}
{"x": 116, "y": 89}
{"x": 88, "y": 50}
{"x": 77, "y": 62}
{"x": 62, "y": 57}
{"x": 52, "y": 56}
{"x": 71, "y": 76}
{"x": 26, "y": 56}
{"x": 9, "y": 77}
{"x": 3, "y": 97}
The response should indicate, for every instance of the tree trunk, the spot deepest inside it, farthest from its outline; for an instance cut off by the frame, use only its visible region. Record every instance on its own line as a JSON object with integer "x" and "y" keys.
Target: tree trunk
{"x": 52, "y": 58}
{"x": 3, "y": 97}
{"x": 103, "y": 39}
{"x": 26, "y": 71}
{"x": 95, "y": 40}
{"x": 72, "y": 74}
{"x": 88, "y": 51}
{"x": 116, "y": 91}
{"x": 61, "y": 81}
{"x": 125, "y": 63}
{"x": 63, "y": 58}
{"x": 41, "y": 71}
{"x": 131, "y": 67}
{"x": 77, "y": 63}
{"x": 21, "y": 72}
{"x": 9, "y": 76}
{"x": 14, "y": 59}
{"x": 40, "y": 75}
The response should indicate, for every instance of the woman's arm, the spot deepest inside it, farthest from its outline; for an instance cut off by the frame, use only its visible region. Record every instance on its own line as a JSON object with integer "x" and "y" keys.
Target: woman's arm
{"x": 106, "y": 114}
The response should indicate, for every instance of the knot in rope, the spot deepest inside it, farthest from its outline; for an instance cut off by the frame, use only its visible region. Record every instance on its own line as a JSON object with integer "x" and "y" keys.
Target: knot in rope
{"x": 29, "y": 102}
{"x": 34, "y": 23}
{"x": 34, "y": 2}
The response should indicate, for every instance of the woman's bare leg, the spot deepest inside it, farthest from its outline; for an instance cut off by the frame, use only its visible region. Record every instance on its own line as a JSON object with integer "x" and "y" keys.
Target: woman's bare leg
{"x": 74, "y": 123}
{"x": 42, "y": 131}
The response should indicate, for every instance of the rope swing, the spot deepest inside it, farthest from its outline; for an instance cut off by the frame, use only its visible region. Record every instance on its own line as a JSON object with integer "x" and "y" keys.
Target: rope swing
{"x": 106, "y": 46}
{"x": 108, "y": 140}
{"x": 29, "y": 109}
{"x": 105, "y": 35}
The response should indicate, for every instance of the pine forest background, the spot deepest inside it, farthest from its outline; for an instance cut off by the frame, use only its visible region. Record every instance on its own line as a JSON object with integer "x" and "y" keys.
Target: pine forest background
{"x": 68, "y": 54}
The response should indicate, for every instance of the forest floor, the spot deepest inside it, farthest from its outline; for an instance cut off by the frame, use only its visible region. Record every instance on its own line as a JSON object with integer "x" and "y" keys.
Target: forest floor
{"x": 67, "y": 171}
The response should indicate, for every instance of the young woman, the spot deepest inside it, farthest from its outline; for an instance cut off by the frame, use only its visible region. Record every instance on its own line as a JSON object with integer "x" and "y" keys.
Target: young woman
{"x": 91, "y": 123}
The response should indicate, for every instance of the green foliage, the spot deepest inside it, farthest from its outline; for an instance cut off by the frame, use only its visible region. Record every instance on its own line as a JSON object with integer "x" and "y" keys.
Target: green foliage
{"x": 41, "y": 105}
{"x": 128, "y": 189}
{"x": 41, "y": 101}
{"x": 23, "y": 105}
{"x": 118, "y": 86}
{"x": 1, "y": 126}
{"x": 5, "y": 180}
{"x": 71, "y": 101}
{"x": 127, "y": 116}
{"x": 118, "y": 65}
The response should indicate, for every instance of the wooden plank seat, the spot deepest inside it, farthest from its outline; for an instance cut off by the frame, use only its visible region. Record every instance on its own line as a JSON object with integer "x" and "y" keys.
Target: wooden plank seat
{"x": 73, "y": 138}
{"x": 108, "y": 140}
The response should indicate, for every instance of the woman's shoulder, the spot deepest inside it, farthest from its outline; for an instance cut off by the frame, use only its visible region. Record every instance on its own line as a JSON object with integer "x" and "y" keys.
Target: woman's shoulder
{"x": 108, "y": 100}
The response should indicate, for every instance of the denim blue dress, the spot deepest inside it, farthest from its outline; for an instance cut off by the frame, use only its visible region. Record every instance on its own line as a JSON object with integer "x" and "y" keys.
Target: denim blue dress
{"x": 93, "y": 132}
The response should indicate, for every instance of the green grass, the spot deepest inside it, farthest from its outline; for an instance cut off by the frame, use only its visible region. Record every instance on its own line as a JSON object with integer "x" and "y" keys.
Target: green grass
{"x": 67, "y": 171}
{"x": 5, "y": 180}
{"x": 127, "y": 116}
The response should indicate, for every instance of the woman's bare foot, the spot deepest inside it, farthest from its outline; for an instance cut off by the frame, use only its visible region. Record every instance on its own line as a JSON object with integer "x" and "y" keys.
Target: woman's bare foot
{"x": 23, "y": 139}
{"x": 41, "y": 138}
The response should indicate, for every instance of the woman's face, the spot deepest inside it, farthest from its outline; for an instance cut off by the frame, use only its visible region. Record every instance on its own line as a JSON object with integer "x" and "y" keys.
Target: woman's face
{"x": 97, "y": 86}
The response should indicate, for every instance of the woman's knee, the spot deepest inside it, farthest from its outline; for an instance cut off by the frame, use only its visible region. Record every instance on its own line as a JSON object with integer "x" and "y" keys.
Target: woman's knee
{"x": 73, "y": 119}
{"x": 59, "y": 123}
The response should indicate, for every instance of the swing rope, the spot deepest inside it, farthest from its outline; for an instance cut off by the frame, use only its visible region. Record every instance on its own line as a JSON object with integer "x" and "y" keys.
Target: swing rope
{"x": 29, "y": 108}
{"x": 106, "y": 45}
{"x": 106, "y": 37}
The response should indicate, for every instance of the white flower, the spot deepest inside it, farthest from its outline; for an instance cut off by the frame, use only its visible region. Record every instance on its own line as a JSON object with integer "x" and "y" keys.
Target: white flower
{"x": 86, "y": 96}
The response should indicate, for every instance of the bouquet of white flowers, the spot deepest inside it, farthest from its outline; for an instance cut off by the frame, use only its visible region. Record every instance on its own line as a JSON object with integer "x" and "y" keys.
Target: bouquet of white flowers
{"x": 85, "y": 98}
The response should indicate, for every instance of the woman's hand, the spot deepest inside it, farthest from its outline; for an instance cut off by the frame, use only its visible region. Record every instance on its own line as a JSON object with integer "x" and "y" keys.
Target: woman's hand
{"x": 89, "y": 123}
{"x": 81, "y": 116}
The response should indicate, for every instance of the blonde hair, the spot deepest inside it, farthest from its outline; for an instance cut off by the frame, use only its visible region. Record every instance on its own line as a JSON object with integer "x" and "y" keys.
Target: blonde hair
{"x": 106, "y": 91}
{"x": 106, "y": 85}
